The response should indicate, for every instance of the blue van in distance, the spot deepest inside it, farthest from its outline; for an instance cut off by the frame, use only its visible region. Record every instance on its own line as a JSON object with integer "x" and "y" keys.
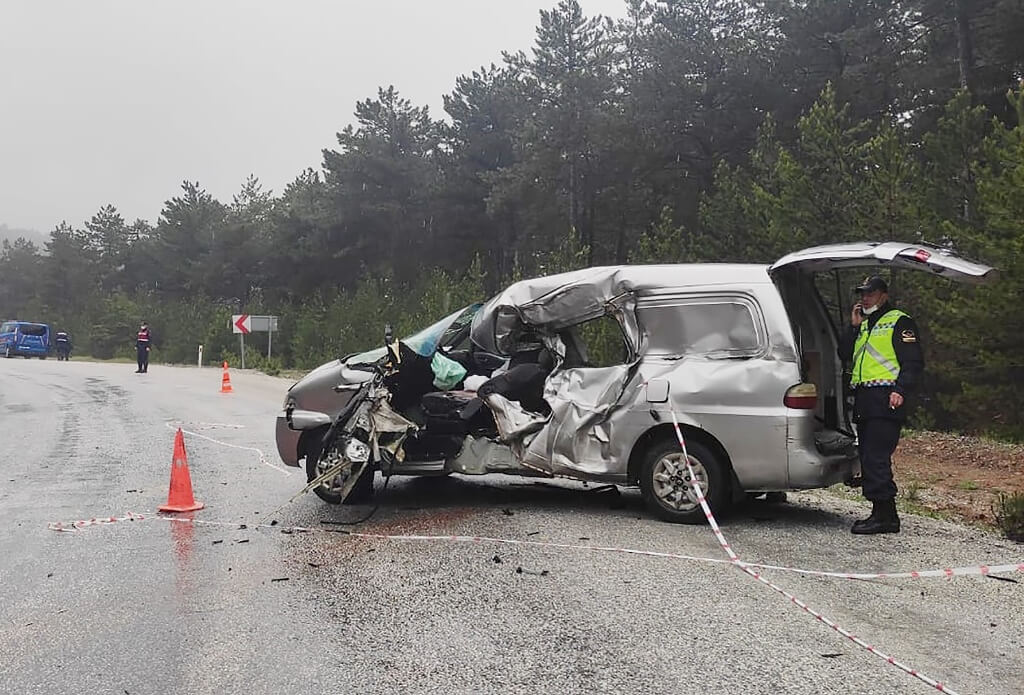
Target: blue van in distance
{"x": 24, "y": 338}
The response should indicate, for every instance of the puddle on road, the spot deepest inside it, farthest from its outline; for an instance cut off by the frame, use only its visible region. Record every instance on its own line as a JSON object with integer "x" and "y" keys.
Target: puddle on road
{"x": 182, "y": 534}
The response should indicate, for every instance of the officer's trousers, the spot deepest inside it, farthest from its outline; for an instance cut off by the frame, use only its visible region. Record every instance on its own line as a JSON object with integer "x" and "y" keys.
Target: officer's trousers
{"x": 877, "y": 440}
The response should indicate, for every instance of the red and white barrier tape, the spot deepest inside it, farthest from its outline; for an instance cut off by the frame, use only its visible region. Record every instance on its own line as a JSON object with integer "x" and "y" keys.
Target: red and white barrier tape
{"x": 948, "y": 573}
{"x": 845, "y": 633}
{"x": 747, "y": 569}
{"x": 733, "y": 560}
{"x": 216, "y": 425}
{"x": 207, "y": 425}
{"x": 95, "y": 521}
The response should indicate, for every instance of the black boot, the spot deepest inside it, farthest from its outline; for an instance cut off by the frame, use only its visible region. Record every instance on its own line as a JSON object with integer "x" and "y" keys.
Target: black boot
{"x": 886, "y": 521}
{"x": 876, "y": 509}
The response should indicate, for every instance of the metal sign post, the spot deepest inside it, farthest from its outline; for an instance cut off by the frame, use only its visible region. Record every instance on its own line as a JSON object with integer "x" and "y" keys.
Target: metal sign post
{"x": 242, "y": 324}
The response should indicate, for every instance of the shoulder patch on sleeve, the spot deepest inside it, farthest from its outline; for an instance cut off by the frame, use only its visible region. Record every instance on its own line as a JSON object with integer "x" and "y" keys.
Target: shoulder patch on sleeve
{"x": 908, "y": 336}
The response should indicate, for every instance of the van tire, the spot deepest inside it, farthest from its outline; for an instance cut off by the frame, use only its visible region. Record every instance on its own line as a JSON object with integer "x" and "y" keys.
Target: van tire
{"x": 7, "y": 352}
{"x": 360, "y": 493}
{"x": 663, "y": 459}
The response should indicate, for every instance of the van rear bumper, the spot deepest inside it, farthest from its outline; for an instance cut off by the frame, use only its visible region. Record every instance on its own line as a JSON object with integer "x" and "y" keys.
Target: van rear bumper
{"x": 22, "y": 351}
{"x": 817, "y": 471}
{"x": 808, "y": 466}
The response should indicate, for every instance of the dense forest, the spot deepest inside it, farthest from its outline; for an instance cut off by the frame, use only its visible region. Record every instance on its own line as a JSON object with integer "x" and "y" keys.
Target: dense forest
{"x": 689, "y": 130}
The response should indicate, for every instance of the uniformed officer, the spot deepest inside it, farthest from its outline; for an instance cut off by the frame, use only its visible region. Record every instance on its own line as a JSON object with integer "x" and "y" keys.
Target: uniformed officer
{"x": 63, "y": 345}
{"x": 887, "y": 366}
{"x": 142, "y": 346}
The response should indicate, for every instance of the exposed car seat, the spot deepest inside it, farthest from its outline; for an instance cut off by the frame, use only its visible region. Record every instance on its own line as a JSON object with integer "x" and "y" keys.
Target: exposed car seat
{"x": 575, "y": 349}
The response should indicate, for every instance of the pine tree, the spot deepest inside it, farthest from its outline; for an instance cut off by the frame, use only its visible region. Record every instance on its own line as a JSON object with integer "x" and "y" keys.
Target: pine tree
{"x": 992, "y": 317}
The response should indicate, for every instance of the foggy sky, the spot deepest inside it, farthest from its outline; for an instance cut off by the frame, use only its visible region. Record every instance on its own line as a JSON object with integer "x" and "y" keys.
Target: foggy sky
{"x": 119, "y": 101}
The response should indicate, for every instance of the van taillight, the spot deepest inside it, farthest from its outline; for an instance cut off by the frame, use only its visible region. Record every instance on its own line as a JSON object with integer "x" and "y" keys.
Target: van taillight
{"x": 801, "y": 396}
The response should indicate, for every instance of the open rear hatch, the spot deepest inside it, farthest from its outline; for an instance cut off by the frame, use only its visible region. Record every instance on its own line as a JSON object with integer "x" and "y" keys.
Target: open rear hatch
{"x": 817, "y": 335}
{"x": 941, "y": 262}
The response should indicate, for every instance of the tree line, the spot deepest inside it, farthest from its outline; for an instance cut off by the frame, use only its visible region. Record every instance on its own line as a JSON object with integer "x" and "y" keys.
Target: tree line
{"x": 688, "y": 130}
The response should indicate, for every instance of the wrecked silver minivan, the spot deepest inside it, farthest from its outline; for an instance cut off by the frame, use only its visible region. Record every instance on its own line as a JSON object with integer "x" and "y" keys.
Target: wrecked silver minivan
{"x": 743, "y": 355}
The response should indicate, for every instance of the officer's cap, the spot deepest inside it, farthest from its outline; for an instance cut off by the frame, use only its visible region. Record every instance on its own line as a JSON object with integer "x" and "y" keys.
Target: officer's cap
{"x": 873, "y": 283}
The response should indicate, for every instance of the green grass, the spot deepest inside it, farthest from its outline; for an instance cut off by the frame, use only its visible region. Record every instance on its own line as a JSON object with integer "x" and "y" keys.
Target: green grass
{"x": 912, "y": 492}
{"x": 908, "y": 502}
{"x": 1009, "y": 513}
{"x": 845, "y": 492}
{"x": 967, "y": 485}
{"x": 908, "y": 507}
{"x": 112, "y": 360}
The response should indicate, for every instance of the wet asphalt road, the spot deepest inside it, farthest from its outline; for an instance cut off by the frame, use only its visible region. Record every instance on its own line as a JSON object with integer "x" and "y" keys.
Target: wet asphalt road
{"x": 163, "y": 607}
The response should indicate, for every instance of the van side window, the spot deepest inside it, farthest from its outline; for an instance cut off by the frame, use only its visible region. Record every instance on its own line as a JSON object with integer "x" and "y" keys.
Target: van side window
{"x": 7, "y": 328}
{"x": 713, "y": 327}
{"x": 595, "y": 343}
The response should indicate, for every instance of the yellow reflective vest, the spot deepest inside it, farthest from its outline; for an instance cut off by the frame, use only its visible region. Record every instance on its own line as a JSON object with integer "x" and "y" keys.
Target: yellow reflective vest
{"x": 874, "y": 358}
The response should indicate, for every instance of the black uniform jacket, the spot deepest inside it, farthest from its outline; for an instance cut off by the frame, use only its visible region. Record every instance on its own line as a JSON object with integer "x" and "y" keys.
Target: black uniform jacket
{"x": 906, "y": 340}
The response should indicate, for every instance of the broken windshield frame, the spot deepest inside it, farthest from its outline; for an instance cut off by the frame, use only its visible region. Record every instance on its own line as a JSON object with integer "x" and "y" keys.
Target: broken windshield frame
{"x": 442, "y": 334}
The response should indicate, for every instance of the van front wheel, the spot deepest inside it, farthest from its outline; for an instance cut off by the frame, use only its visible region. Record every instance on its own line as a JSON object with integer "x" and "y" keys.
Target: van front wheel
{"x": 667, "y": 485}
{"x": 330, "y": 492}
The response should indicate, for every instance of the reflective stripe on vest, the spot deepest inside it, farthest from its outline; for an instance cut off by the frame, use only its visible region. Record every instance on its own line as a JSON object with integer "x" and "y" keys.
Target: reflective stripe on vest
{"x": 874, "y": 358}
{"x": 143, "y": 336}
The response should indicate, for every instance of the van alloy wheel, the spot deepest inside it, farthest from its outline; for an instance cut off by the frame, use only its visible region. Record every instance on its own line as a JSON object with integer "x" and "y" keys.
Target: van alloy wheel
{"x": 674, "y": 485}
{"x": 667, "y": 485}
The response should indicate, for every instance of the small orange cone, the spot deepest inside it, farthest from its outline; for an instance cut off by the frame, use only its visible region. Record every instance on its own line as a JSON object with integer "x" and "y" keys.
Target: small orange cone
{"x": 179, "y": 498}
{"x": 225, "y": 381}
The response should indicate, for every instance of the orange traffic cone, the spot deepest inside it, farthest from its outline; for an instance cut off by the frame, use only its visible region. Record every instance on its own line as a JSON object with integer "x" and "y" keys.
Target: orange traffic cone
{"x": 179, "y": 498}
{"x": 225, "y": 381}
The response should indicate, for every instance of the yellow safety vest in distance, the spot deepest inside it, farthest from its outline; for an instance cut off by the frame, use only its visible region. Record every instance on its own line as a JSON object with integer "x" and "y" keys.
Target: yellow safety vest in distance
{"x": 874, "y": 358}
